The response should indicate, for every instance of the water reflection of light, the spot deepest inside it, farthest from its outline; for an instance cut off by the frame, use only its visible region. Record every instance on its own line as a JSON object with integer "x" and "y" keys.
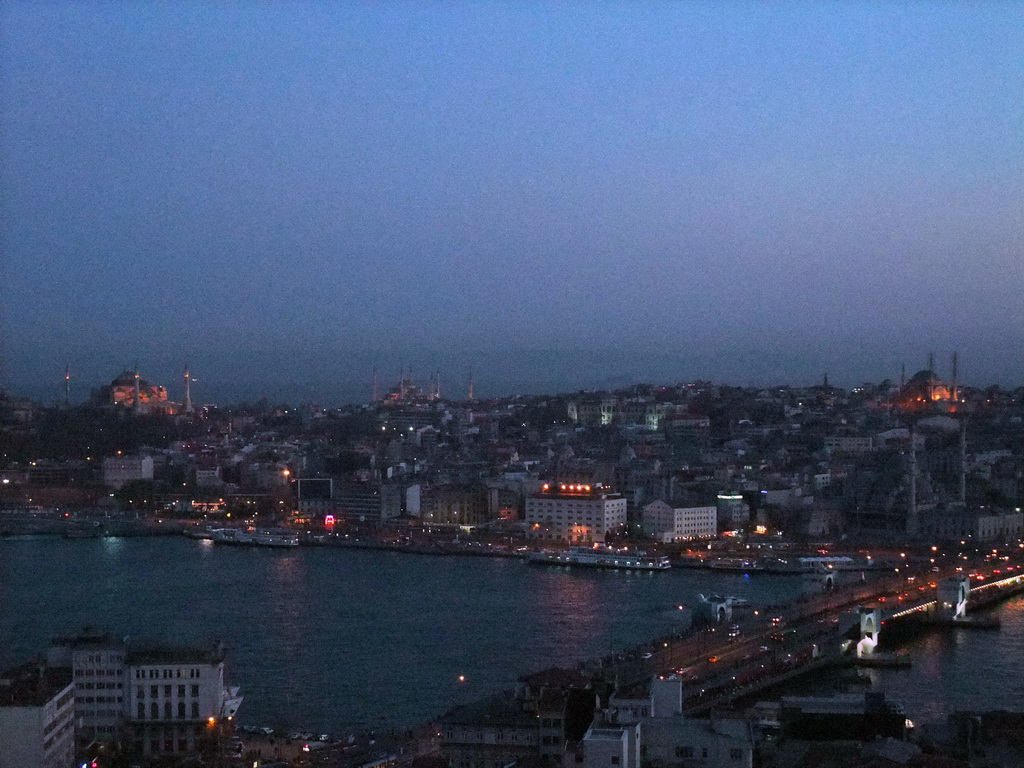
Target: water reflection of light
{"x": 206, "y": 543}
{"x": 112, "y": 543}
{"x": 573, "y": 602}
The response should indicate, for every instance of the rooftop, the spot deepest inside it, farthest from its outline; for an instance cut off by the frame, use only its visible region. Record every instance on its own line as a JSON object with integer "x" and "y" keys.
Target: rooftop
{"x": 32, "y": 685}
{"x": 499, "y": 710}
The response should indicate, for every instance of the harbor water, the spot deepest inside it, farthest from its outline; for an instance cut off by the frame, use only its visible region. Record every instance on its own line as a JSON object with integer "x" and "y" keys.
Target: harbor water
{"x": 339, "y": 640}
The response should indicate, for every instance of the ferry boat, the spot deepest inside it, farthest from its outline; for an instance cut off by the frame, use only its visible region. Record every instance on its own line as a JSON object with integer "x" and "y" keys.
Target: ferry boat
{"x": 236, "y": 536}
{"x": 742, "y": 564}
{"x": 276, "y": 539}
{"x": 601, "y": 557}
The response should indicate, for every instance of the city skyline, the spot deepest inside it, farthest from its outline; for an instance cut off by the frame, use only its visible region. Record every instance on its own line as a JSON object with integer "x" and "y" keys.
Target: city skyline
{"x": 554, "y": 198}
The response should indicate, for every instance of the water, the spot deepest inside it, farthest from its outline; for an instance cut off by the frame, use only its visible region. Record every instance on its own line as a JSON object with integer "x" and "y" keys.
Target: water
{"x": 342, "y": 640}
{"x": 961, "y": 669}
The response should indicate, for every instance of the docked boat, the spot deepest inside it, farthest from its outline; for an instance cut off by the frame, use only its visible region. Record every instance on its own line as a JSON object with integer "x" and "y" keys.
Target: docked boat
{"x": 276, "y": 539}
{"x": 235, "y": 536}
{"x": 231, "y": 700}
{"x": 742, "y": 564}
{"x": 601, "y": 557}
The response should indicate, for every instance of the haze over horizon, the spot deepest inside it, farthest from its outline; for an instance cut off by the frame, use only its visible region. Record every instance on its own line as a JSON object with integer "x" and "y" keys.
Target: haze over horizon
{"x": 556, "y": 197}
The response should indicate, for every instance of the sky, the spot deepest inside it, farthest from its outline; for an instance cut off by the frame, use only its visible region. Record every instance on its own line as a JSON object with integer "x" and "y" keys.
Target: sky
{"x": 548, "y": 196}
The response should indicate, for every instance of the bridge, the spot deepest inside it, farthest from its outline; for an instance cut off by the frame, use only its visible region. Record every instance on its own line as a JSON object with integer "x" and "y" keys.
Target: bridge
{"x": 829, "y": 628}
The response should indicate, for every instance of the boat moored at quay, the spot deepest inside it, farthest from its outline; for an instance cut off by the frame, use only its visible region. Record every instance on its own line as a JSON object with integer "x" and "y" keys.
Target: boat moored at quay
{"x": 241, "y": 537}
{"x": 600, "y": 556}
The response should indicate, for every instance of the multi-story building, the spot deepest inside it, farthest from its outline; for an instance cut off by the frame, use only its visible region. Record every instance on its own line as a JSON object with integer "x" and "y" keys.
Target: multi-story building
{"x": 578, "y": 513}
{"x": 163, "y": 700}
{"x": 37, "y": 717}
{"x": 174, "y": 696}
{"x": 665, "y": 524}
{"x": 548, "y": 710}
{"x": 118, "y": 471}
{"x": 650, "y": 723}
{"x": 96, "y": 661}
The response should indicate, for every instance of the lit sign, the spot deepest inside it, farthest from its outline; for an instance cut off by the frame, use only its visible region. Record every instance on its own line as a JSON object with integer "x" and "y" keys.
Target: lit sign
{"x": 328, "y": 519}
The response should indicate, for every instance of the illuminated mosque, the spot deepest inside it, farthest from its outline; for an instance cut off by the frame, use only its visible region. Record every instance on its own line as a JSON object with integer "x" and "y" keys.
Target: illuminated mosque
{"x": 131, "y": 391}
{"x": 925, "y": 391}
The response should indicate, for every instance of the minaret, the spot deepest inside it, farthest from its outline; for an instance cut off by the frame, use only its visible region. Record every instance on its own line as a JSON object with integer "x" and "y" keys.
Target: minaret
{"x": 186, "y": 405}
{"x": 931, "y": 362}
{"x": 912, "y": 513}
{"x": 954, "y": 394}
{"x": 470, "y": 386}
{"x": 963, "y": 462}
{"x": 137, "y": 402}
{"x": 67, "y": 386}
{"x": 437, "y": 385}
{"x": 373, "y": 392}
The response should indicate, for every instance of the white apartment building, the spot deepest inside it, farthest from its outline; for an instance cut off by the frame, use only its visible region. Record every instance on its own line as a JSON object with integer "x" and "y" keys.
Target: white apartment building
{"x": 665, "y": 524}
{"x": 578, "y": 513}
{"x": 96, "y": 662}
{"x": 118, "y": 471}
{"x": 37, "y": 718}
{"x": 174, "y": 697}
{"x": 164, "y": 699}
{"x": 650, "y": 723}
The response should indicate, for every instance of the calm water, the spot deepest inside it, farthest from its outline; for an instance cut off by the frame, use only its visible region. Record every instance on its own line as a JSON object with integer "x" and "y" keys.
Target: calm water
{"x": 339, "y": 640}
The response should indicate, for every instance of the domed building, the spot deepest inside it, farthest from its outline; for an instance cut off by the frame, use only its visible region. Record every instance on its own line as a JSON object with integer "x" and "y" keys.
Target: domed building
{"x": 129, "y": 390}
{"x": 924, "y": 391}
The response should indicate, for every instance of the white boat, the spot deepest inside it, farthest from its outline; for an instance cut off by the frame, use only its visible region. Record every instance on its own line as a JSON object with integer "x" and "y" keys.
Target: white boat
{"x": 231, "y": 700}
{"x": 235, "y": 536}
{"x": 735, "y": 602}
{"x": 276, "y": 539}
{"x": 600, "y": 556}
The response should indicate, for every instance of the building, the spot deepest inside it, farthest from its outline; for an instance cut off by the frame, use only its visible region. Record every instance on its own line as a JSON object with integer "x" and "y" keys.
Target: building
{"x": 96, "y": 661}
{"x": 37, "y": 717}
{"x": 665, "y": 524}
{"x": 118, "y": 471}
{"x": 593, "y": 411}
{"x": 454, "y": 505}
{"x": 156, "y": 699}
{"x": 960, "y": 524}
{"x": 577, "y": 513}
{"x": 849, "y": 445}
{"x": 129, "y": 390}
{"x": 648, "y": 723}
{"x": 924, "y": 391}
{"x": 842, "y": 717}
{"x": 174, "y": 697}
{"x": 548, "y": 710}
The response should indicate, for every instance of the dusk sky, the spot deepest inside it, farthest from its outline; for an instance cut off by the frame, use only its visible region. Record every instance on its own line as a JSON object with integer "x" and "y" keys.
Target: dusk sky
{"x": 555, "y": 195}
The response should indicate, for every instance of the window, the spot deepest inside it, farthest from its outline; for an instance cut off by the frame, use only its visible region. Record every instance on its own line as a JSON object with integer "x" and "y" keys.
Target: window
{"x": 142, "y": 711}
{"x": 167, "y": 690}
{"x": 154, "y": 711}
{"x": 181, "y": 710}
{"x": 181, "y": 691}
{"x": 154, "y": 746}
{"x": 195, "y": 691}
{"x": 615, "y": 759}
{"x": 195, "y": 710}
{"x": 154, "y": 691}
{"x": 684, "y": 751}
{"x": 735, "y": 754}
{"x": 167, "y": 710}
